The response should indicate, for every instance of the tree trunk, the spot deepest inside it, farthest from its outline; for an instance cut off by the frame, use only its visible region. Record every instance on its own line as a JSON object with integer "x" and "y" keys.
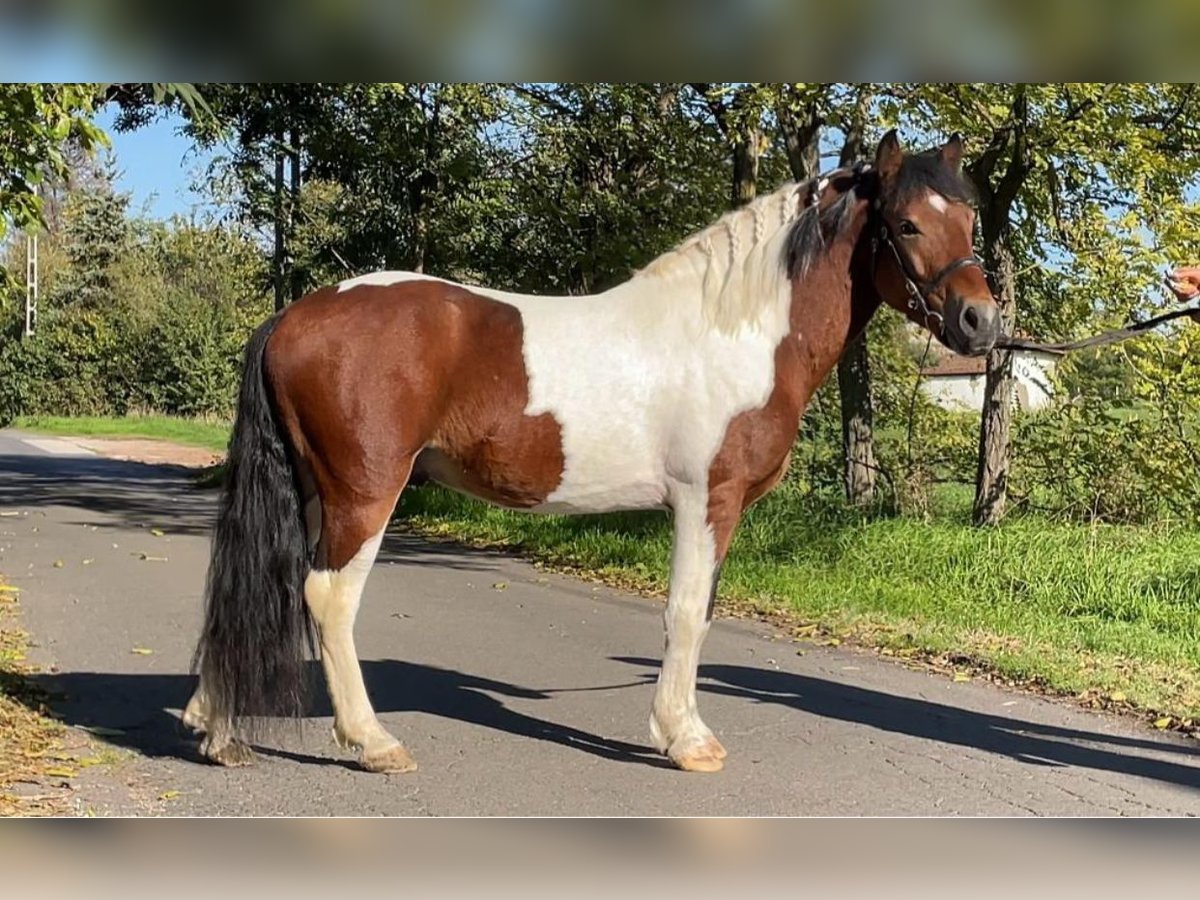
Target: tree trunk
{"x": 278, "y": 257}
{"x": 854, "y": 368}
{"x": 801, "y": 140}
{"x": 858, "y": 421}
{"x": 420, "y": 242}
{"x": 296, "y": 276}
{"x": 745, "y": 165}
{"x": 996, "y": 202}
{"x": 991, "y": 477}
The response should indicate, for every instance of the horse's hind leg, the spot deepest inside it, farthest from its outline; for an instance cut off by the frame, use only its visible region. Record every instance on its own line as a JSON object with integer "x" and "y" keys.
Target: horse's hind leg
{"x": 350, "y": 537}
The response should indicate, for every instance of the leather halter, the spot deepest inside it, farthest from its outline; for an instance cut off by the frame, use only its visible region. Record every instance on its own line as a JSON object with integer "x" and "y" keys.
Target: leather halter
{"x": 919, "y": 291}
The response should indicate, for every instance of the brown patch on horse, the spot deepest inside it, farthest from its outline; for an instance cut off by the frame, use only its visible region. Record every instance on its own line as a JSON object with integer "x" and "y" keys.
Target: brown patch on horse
{"x": 369, "y": 380}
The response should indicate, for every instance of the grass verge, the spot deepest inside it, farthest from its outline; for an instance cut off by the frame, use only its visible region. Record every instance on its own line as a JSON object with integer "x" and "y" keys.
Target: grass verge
{"x": 30, "y": 744}
{"x": 196, "y": 432}
{"x": 1109, "y": 614}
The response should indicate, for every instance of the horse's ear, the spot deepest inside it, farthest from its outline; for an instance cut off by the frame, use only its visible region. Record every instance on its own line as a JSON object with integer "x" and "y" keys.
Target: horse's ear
{"x": 888, "y": 156}
{"x": 951, "y": 153}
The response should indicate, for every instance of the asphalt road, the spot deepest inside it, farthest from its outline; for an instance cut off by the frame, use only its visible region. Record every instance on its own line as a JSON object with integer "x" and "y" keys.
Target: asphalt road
{"x": 520, "y": 692}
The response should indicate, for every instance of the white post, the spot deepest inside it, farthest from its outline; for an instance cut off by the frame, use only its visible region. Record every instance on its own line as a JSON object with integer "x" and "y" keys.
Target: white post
{"x": 31, "y": 280}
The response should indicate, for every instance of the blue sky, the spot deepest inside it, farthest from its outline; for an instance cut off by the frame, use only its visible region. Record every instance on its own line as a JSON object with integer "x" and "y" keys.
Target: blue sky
{"x": 157, "y": 165}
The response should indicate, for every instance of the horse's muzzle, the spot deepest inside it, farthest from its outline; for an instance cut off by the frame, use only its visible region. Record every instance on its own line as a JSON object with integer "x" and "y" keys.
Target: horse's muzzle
{"x": 972, "y": 327}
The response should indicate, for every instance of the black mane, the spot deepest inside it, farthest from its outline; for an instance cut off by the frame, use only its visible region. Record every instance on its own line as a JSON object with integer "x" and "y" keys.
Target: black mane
{"x": 815, "y": 229}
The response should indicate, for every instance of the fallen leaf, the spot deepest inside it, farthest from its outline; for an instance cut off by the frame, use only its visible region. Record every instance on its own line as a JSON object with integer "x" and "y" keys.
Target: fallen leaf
{"x": 1117, "y": 696}
{"x": 500, "y": 585}
{"x": 63, "y": 772}
{"x": 58, "y": 564}
{"x": 1164, "y": 722}
{"x": 141, "y": 651}
{"x": 146, "y": 557}
{"x": 168, "y": 795}
{"x": 157, "y": 532}
{"x": 832, "y": 642}
{"x": 960, "y": 677}
{"x": 88, "y": 562}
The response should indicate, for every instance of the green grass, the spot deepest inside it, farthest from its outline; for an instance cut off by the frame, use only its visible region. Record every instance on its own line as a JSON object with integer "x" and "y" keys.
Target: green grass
{"x": 196, "y": 432}
{"x": 1108, "y": 612}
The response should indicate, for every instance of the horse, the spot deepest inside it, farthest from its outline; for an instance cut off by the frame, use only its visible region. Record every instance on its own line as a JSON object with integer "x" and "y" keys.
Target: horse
{"x": 680, "y": 389}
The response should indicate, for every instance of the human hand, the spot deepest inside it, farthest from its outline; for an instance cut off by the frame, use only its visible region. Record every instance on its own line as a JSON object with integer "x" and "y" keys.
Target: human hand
{"x": 1184, "y": 283}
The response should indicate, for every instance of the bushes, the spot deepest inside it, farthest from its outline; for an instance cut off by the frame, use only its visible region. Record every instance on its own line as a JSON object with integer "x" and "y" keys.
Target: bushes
{"x": 86, "y": 362}
{"x": 163, "y": 329}
{"x": 70, "y": 367}
{"x": 192, "y": 359}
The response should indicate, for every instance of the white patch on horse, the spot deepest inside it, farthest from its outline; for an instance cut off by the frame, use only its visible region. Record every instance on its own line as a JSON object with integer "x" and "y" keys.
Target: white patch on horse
{"x": 381, "y": 279}
{"x": 938, "y": 202}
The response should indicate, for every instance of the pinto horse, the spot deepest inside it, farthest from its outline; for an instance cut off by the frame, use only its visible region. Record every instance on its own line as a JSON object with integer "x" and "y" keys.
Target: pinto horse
{"x": 681, "y": 389}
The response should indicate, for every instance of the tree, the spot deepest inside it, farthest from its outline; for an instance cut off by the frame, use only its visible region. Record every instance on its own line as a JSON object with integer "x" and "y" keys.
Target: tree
{"x": 95, "y": 237}
{"x": 738, "y": 110}
{"x": 271, "y": 124}
{"x": 801, "y": 112}
{"x": 37, "y": 123}
{"x": 603, "y": 178}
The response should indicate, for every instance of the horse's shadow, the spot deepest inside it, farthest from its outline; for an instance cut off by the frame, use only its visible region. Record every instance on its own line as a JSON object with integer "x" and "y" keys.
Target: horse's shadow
{"x": 135, "y": 711}
{"x": 1033, "y": 743}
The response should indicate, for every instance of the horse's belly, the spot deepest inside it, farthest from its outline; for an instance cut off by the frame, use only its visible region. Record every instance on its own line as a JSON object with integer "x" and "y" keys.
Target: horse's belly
{"x": 623, "y": 485}
{"x": 628, "y": 490}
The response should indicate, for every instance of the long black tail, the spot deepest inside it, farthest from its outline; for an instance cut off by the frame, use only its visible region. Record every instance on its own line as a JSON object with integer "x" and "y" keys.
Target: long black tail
{"x": 256, "y": 625}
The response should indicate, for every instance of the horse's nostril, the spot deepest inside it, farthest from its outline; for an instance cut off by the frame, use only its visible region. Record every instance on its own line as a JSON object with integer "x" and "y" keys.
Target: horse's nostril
{"x": 970, "y": 319}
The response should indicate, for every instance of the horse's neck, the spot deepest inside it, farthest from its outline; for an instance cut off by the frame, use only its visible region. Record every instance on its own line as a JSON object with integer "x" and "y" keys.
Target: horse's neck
{"x": 829, "y": 310}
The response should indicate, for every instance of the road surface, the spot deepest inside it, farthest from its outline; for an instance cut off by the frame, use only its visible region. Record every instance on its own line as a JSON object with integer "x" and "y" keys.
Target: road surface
{"x": 520, "y": 692}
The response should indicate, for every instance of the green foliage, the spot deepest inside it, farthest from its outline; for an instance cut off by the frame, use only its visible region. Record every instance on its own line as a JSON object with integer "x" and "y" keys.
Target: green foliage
{"x": 1127, "y": 457}
{"x": 36, "y": 123}
{"x": 97, "y": 235}
{"x": 606, "y": 177}
{"x": 136, "y": 316}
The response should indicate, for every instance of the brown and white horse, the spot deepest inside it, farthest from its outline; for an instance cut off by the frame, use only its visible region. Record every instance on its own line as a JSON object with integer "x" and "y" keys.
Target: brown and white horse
{"x": 681, "y": 389}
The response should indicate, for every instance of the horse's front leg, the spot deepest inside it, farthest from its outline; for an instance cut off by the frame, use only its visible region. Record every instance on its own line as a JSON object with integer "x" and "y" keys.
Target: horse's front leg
{"x": 702, "y": 532}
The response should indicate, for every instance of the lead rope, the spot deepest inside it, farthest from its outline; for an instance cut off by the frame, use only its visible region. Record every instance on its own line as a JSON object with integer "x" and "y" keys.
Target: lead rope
{"x": 1098, "y": 340}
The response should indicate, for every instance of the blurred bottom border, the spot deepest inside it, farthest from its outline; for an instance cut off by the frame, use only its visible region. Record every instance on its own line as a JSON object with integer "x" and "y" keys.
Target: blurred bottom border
{"x": 835, "y": 857}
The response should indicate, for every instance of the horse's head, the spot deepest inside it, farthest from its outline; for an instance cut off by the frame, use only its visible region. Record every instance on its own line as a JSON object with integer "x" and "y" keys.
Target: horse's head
{"x": 924, "y": 258}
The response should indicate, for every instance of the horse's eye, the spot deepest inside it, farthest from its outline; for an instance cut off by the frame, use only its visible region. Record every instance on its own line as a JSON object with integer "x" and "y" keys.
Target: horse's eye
{"x": 908, "y": 229}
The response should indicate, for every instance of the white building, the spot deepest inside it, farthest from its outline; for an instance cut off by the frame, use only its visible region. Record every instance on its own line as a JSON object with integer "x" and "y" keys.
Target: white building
{"x": 957, "y": 382}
